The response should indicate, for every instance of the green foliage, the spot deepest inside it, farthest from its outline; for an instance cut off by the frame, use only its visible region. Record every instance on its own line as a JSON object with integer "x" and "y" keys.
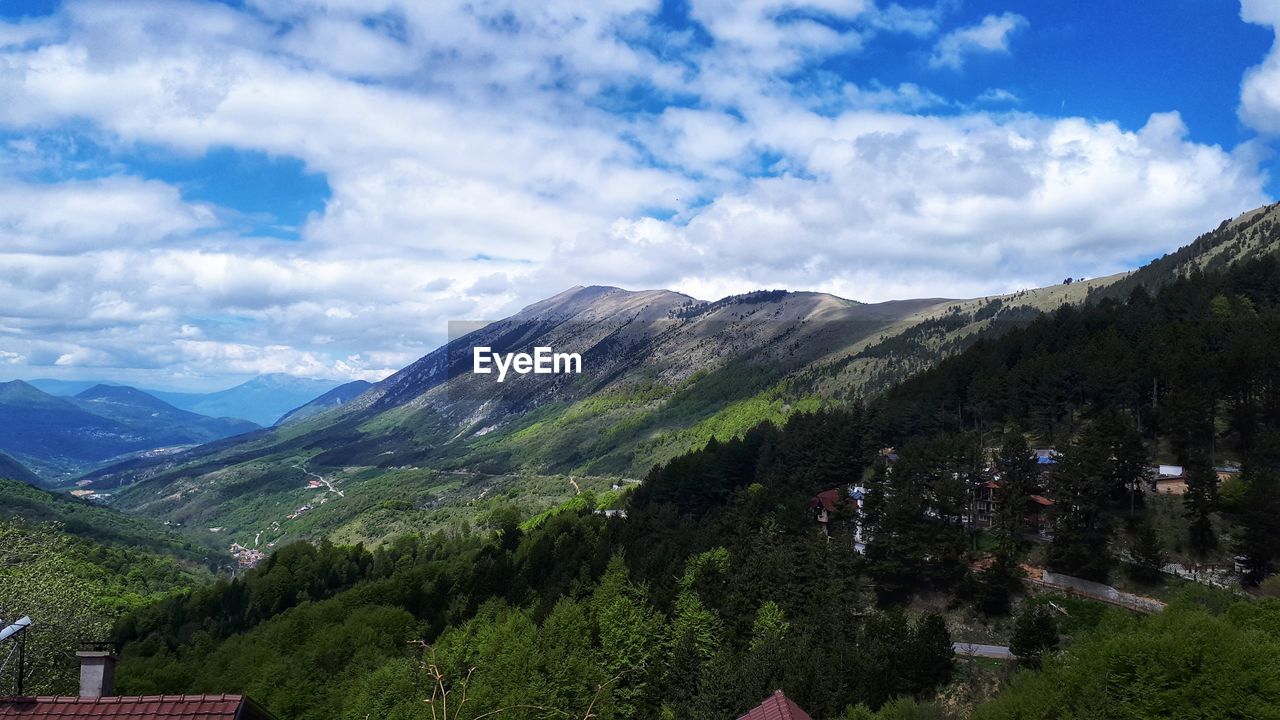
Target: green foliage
{"x": 1200, "y": 502}
{"x": 1183, "y": 663}
{"x": 1081, "y": 523}
{"x": 770, "y": 627}
{"x": 97, "y": 524}
{"x": 1035, "y": 633}
{"x": 73, "y": 589}
{"x": 1147, "y": 554}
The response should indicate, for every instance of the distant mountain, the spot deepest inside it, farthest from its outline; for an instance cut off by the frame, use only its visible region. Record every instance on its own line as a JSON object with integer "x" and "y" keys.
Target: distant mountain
{"x": 64, "y": 388}
{"x": 262, "y": 400}
{"x": 663, "y": 372}
{"x": 328, "y": 401}
{"x": 14, "y": 470}
{"x": 60, "y": 437}
{"x": 143, "y": 410}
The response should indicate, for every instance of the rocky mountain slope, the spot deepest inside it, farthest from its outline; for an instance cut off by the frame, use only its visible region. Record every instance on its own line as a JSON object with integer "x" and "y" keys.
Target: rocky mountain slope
{"x": 662, "y": 373}
{"x": 328, "y": 401}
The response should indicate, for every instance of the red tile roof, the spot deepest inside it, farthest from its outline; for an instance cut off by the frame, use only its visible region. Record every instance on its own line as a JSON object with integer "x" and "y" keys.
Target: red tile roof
{"x": 828, "y": 500}
{"x": 165, "y": 707}
{"x": 776, "y": 707}
{"x": 1041, "y": 500}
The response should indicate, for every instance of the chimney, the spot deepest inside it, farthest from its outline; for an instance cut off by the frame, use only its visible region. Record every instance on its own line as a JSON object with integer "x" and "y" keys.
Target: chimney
{"x": 97, "y": 673}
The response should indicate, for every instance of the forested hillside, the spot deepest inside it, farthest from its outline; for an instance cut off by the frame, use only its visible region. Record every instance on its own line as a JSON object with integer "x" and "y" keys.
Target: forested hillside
{"x": 717, "y": 586}
{"x": 73, "y": 589}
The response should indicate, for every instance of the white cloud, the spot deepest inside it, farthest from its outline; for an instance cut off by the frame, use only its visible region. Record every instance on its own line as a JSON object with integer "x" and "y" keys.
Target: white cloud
{"x": 998, "y": 96}
{"x": 989, "y": 36}
{"x": 84, "y": 215}
{"x": 891, "y": 205}
{"x": 1260, "y": 89}
{"x": 476, "y": 165}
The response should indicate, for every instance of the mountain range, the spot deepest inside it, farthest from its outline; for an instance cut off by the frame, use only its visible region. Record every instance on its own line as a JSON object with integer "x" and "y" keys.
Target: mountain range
{"x": 59, "y": 437}
{"x": 262, "y": 400}
{"x": 663, "y": 373}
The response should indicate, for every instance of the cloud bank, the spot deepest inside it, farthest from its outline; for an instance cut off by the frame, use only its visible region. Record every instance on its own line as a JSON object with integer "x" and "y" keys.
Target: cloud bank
{"x": 481, "y": 156}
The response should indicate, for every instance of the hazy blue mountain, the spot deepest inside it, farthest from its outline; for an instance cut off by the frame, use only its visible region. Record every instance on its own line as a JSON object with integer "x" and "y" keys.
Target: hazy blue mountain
{"x": 263, "y": 400}
{"x": 332, "y": 399}
{"x": 145, "y": 411}
{"x": 54, "y": 436}
{"x": 58, "y": 437}
{"x": 64, "y": 388}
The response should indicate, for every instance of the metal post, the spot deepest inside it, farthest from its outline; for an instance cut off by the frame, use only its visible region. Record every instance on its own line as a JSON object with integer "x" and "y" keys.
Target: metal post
{"x": 22, "y": 660}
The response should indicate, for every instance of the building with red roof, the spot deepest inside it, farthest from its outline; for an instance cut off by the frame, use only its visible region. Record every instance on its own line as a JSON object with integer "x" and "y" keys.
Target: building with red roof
{"x": 147, "y": 707}
{"x": 97, "y": 700}
{"x": 776, "y": 707}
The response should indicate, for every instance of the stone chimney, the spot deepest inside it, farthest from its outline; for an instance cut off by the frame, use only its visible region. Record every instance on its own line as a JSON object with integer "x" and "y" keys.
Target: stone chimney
{"x": 97, "y": 673}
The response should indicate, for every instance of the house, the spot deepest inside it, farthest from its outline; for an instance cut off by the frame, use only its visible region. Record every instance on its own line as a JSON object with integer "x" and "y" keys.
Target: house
{"x": 984, "y": 503}
{"x": 825, "y": 504}
{"x": 1037, "y": 518}
{"x": 1169, "y": 480}
{"x": 776, "y": 707}
{"x": 96, "y": 700}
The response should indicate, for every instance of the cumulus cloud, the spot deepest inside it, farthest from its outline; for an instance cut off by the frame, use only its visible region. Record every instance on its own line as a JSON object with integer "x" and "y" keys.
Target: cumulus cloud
{"x": 989, "y": 36}
{"x": 1260, "y": 89}
{"x": 77, "y": 216}
{"x": 956, "y": 199}
{"x": 481, "y": 156}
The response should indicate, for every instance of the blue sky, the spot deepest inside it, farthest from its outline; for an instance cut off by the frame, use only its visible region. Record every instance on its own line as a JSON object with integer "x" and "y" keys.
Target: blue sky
{"x": 194, "y": 192}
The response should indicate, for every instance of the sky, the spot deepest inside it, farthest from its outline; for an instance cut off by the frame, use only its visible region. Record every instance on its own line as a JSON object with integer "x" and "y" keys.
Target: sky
{"x": 193, "y": 193}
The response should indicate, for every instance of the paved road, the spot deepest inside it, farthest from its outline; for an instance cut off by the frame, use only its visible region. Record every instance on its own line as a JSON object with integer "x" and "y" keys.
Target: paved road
{"x": 997, "y": 652}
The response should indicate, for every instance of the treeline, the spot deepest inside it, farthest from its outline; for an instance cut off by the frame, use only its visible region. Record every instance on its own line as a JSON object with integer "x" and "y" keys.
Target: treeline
{"x": 1191, "y": 372}
{"x": 717, "y": 587}
{"x": 73, "y": 589}
{"x": 713, "y": 592}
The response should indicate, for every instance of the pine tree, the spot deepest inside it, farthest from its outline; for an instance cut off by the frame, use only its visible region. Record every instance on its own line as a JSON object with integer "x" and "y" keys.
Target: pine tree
{"x": 1199, "y": 502}
{"x": 1148, "y": 556}
{"x": 931, "y": 648}
{"x": 1081, "y": 523}
{"x": 1017, "y": 469}
{"x": 1257, "y": 516}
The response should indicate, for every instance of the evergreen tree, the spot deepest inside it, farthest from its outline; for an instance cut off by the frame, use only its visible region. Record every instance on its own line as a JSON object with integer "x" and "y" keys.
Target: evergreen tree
{"x": 1257, "y": 515}
{"x": 1199, "y": 502}
{"x": 1081, "y": 523}
{"x": 932, "y": 652}
{"x": 1130, "y": 465}
{"x": 1017, "y": 469}
{"x": 1144, "y": 548}
{"x": 1034, "y": 634}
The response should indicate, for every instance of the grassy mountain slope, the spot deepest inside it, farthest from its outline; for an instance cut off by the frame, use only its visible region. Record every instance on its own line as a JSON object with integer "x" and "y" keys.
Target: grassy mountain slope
{"x": 10, "y": 468}
{"x": 98, "y": 524}
{"x": 664, "y": 374}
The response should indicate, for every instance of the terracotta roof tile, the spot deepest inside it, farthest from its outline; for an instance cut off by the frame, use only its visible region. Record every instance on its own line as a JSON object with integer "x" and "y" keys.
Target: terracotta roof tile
{"x": 776, "y": 707}
{"x": 163, "y": 707}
